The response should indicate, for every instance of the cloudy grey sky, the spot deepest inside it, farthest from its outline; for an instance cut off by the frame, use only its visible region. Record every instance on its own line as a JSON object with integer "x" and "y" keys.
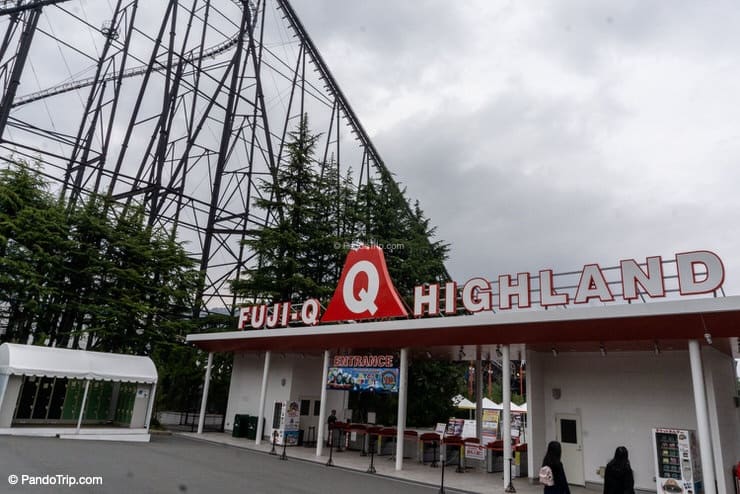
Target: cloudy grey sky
{"x": 550, "y": 134}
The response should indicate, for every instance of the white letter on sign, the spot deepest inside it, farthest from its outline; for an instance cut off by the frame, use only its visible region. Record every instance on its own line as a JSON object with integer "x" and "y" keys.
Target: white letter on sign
{"x": 244, "y": 316}
{"x": 593, "y": 285}
{"x": 476, "y": 295}
{"x": 713, "y": 272}
{"x": 366, "y": 300}
{"x": 651, "y": 282}
{"x": 430, "y": 300}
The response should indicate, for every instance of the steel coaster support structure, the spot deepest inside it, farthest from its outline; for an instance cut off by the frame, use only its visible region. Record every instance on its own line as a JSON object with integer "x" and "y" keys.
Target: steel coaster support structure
{"x": 81, "y": 167}
{"x": 185, "y": 108}
{"x": 11, "y": 70}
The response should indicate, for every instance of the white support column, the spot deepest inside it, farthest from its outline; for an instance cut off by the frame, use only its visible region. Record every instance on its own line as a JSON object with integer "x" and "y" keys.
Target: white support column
{"x": 83, "y": 405}
{"x": 263, "y": 397}
{"x": 531, "y": 462}
{"x": 150, "y": 405}
{"x": 402, "y": 395}
{"x": 204, "y": 399}
{"x": 506, "y": 405}
{"x": 478, "y": 394}
{"x": 322, "y": 407}
{"x": 4, "y": 379}
{"x": 702, "y": 420}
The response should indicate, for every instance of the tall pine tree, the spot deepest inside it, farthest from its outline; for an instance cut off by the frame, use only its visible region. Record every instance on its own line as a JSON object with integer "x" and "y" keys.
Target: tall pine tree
{"x": 317, "y": 215}
{"x": 298, "y": 251}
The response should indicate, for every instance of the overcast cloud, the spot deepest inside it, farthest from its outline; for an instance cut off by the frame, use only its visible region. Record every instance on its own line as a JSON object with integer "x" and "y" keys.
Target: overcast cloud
{"x": 550, "y": 134}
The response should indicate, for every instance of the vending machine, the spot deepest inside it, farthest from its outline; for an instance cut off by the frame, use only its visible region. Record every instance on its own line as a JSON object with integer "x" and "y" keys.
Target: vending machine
{"x": 677, "y": 464}
{"x": 285, "y": 423}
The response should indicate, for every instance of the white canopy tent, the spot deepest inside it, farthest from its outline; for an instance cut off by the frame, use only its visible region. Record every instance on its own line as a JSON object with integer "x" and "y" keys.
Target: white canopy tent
{"x": 463, "y": 403}
{"x": 29, "y": 360}
{"x": 489, "y": 404}
{"x": 492, "y": 405}
{"x": 123, "y": 387}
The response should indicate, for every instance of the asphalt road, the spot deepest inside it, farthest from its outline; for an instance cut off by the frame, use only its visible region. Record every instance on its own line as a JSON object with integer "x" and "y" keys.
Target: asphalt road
{"x": 172, "y": 464}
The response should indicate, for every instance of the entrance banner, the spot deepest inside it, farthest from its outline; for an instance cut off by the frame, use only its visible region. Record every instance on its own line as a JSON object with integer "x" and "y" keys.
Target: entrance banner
{"x": 384, "y": 380}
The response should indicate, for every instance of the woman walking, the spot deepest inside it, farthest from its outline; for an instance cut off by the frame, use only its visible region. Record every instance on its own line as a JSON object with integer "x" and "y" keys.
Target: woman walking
{"x": 552, "y": 474}
{"x": 618, "y": 477}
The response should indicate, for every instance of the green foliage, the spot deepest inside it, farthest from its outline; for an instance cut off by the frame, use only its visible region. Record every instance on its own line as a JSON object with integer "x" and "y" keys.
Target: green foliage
{"x": 298, "y": 250}
{"x": 92, "y": 276}
{"x": 432, "y": 384}
{"x": 182, "y": 368}
{"x": 412, "y": 257}
{"x": 317, "y": 215}
{"x": 497, "y": 393}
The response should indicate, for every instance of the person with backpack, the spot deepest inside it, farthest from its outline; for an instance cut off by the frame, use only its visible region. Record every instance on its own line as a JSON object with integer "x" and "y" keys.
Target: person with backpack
{"x": 552, "y": 474}
{"x": 618, "y": 477}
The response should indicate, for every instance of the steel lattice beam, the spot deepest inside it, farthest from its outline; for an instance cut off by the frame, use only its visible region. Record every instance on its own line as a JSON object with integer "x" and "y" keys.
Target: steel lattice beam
{"x": 16, "y": 6}
{"x": 187, "y": 115}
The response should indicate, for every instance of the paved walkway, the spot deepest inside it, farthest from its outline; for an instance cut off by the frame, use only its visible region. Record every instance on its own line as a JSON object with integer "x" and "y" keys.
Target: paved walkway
{"x": 475, "y": 480}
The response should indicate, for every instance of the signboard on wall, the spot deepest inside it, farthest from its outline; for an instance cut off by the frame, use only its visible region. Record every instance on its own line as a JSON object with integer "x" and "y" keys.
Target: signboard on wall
{"x": 489, "y": 425}
{"x": 376, "y": 379}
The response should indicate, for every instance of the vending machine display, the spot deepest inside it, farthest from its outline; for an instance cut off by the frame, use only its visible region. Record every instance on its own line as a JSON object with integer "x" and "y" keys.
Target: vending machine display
{"x": 285, "y": 422}
{"x": 677, "y": 466}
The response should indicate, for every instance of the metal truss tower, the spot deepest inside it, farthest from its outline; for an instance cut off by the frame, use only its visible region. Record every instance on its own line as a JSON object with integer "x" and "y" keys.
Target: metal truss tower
{"x": 184, "y": 106}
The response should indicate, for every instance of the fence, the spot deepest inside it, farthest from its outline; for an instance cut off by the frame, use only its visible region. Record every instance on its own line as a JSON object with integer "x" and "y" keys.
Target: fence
{"x": 188, "y": 421}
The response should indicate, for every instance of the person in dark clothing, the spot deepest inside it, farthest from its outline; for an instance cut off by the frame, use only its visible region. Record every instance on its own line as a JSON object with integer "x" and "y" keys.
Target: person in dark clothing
{"x": 331, "y": 421}
{"x": 618, "y": 477}
{"x": 552, "y": 460}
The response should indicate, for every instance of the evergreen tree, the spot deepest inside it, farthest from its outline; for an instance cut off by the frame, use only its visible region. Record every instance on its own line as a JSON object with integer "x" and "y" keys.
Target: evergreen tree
{"x": 432, "y": 384}
{"x": 97, "y": 277}
{"x": 317, "y": 215}
{"x": 33, "y": 243}
{"x": 412, "y": 257}
{"x": 298, "y": 252}
{"x": 93, "y": 276}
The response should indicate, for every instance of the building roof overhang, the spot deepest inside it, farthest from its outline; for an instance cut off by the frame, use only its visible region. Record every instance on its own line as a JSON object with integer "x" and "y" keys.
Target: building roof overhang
{"x": 667, "y": 320}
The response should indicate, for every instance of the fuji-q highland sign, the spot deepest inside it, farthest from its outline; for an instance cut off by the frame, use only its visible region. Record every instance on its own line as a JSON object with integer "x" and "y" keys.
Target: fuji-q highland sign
{"x": 365, "y": 290}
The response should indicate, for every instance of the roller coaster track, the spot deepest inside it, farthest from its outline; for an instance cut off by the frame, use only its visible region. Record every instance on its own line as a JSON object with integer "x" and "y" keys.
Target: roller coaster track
{"x": 131, "y": 72}
{"x": 196, "y": 157}
{"x": 15, "y": 6}
{"x": 295, "y": 24}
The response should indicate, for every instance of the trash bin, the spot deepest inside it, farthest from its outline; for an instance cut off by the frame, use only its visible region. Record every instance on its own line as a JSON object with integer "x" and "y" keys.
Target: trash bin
{"x": 240, "y": 425}
{"x": 251, "y": 427}
{"x": 494, "y": 457}
{"x": 520, "y": 460}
